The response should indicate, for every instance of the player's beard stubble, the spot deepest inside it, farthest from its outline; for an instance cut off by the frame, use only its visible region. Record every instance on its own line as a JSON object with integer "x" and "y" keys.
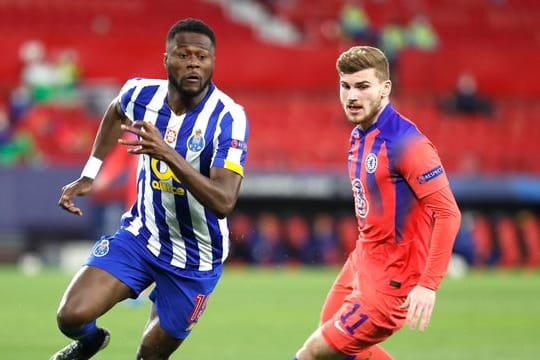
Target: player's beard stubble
{"x": 188, "y": 93}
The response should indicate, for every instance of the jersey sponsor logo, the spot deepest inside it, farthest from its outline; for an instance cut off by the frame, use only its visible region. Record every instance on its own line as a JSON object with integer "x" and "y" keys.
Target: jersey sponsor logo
{"x": 170, "y": 136}
{"x": 101, "y": 248}
{"x": 164, "y": 174}
{"x": 163, "y": 186}
{"x": 196, "y": 141}
{"x": 430, "y": 175}
{"x": 360, "y": 200}
{"x": 371, "y": 163}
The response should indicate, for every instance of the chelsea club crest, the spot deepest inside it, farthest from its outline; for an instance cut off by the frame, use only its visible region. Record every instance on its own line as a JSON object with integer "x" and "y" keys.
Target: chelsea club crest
{"x": 371, "y": 163}
{"x": 195, "y": 142}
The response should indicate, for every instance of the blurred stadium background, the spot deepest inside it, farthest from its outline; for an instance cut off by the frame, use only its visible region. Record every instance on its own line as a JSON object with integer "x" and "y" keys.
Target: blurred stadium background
{"x": 63, "y": 61}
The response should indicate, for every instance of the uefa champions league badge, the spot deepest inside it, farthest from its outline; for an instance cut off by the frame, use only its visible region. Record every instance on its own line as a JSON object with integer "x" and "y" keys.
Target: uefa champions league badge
{"x": 371, "y": 163}
{"x": 101, "y": 248}
{"x": 195, "y": 142}
{"x": 429, "y": 175}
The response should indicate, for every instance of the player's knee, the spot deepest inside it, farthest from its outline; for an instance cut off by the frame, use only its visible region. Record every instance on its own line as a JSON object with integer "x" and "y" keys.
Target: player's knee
{"x": 308, "y": 353}
{"x": 155, "y": 347}
{"x": 316, "y": 348}
{"x": 69, "y": 317}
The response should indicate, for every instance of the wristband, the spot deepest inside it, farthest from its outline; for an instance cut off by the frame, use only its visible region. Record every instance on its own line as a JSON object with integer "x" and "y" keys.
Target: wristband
{"x": 91, "y": 168}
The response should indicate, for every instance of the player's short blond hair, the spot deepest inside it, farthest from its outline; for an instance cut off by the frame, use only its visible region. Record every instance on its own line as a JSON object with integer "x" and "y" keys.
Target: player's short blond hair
{"x": 359, "y": 58}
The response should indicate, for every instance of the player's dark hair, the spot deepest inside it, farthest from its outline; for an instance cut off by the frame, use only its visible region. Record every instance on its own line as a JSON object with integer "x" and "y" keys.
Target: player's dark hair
{"x": 360, "y": 58}
{"x": 191, "y": 25}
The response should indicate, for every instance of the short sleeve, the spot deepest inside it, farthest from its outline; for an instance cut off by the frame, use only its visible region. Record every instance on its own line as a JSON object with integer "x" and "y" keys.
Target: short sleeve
{"x": 126, "y": 94}
{"x": 231, "y": 150}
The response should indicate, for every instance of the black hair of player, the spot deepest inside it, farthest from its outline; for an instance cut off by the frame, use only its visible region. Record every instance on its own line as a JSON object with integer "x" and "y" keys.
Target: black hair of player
{"x": 194, "y": 26}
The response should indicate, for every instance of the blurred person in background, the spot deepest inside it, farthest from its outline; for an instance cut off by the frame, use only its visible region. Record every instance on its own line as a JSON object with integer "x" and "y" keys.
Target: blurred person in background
{"x": 300, "y": 247}
{"x": 326, "y": 239}
{"x": 268, "y": 247}
{"x": 421, "y": 35}
{"x": 407, "y": 219}
{"x": 393, "y": 40}
{"x": 192, "y": 142}
{"x": 466, "y": 99}
{"x": 355, "y": 24}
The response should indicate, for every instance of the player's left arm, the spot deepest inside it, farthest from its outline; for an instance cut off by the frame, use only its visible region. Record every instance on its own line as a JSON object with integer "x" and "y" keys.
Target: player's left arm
{"x": 447, "y": 217}
{"x": 421, "y": 166}
{"x": 218, "y": 192}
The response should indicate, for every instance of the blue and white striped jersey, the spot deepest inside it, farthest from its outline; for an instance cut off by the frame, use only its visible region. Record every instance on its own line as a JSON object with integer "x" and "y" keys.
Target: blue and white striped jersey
{"x": 175, "y": 227}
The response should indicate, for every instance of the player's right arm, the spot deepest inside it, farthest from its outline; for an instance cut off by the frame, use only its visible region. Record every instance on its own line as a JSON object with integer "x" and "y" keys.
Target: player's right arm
{"x": 107, "y": 136}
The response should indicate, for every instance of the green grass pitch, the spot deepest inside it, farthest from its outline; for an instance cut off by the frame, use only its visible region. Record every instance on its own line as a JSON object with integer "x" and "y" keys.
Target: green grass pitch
{"x": 266, "y": 314}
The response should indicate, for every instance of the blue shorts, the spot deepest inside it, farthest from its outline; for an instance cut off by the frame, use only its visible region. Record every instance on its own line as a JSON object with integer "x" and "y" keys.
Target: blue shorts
{"x": 179, "y": 296}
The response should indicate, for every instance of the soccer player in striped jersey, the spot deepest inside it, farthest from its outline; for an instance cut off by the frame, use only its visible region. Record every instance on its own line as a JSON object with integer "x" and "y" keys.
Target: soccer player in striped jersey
{"x": 407, "y": 220}
{"x": 191, "y": 140}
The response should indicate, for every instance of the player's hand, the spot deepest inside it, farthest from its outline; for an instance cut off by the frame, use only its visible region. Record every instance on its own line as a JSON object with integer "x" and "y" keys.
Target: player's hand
{"x": 420, "y": 303}
{"x": 149, "y": 140}
{"x": 79, "y": 187}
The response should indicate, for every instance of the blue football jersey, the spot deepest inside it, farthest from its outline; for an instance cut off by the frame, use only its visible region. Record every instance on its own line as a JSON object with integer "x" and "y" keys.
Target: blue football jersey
{"x": 169, "y": 220}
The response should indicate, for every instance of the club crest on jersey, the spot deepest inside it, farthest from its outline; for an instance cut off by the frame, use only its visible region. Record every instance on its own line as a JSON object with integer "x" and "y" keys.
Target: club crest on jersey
{"x": 101, "y": 248}
{"x": 170, "y": 136}
{"x": 195, "y": 142}
{"x": 430, "y": 175}
{"x": 371, "y": 163}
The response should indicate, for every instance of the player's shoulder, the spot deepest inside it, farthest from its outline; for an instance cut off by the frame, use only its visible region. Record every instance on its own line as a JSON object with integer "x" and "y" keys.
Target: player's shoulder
{"x": 230, "y": 104}
{"x": 142, "y": 82}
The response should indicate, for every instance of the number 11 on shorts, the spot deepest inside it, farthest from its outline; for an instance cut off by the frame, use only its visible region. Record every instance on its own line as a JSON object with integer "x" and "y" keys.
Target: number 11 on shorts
{"x": 352, "y": 327}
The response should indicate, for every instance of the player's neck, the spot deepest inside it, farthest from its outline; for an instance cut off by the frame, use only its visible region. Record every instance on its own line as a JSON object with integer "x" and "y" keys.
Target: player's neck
{"x": 182, "y": 103}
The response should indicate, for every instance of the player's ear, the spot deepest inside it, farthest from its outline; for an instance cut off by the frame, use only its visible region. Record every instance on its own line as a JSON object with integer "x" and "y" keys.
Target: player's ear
{"x": 387, "y": 88}
{"x": 165, "y": 60}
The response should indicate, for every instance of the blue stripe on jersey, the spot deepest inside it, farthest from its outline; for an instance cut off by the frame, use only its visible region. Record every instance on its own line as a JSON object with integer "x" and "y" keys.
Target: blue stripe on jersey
{"x": 404, "y": 201}
{"x": 405, "y": 197}
{"x": 206, "y": 155}
{"x": 357, "y": 175}
{"x": 359, "y": 154}
{"x": 164, "y": 117}
{"x": 371, "y": 180}
{"x": 126, "y": 98}
{"x": 351, "y": 152}
{"x": 143, "y": 99}
{"x": 226, "y": 135}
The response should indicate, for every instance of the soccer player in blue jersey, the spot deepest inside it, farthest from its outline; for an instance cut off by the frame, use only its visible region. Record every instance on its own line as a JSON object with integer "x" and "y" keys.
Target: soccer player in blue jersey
{"x": 191, "y": 140}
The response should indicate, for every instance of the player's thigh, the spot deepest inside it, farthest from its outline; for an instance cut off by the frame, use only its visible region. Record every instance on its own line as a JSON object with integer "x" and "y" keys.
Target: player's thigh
{"x": 114, "y": 271}
{"x": 92, "y": 292}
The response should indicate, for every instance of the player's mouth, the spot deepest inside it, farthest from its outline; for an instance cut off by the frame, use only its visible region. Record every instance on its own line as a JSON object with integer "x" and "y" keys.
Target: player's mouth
{"x": 193, "y": 78}
{"x": 355, "y": 109}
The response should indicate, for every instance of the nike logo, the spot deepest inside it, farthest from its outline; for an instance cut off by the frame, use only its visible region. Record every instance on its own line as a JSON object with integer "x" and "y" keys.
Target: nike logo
{"x": 338, "y": 326}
